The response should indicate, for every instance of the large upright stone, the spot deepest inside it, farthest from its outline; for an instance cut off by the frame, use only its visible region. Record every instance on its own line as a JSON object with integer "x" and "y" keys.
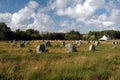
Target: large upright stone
{"x": 40, "y": 48}
{"x": 91, "y": 47}
{"x": 48, "y": 43}
{"x": 63, "y": 43}
{"x": 70, "y": 48}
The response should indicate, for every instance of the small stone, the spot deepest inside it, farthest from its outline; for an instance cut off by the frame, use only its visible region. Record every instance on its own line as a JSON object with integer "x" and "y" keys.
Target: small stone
{"x": 113, "y": 42}
{"x": 22, "y": 44}
{"x": 97, "y": 43}
{"x": 27, "y": 42}
{"x": 48, "y": 43}
{"x": 63, "y": 43}
{"x": 14, "y": 42}
{"x": 56, "y": 45}
{"x": 79, "y": 42}
{"x": 113, "y": 47}
{"x": 88, "y": 41}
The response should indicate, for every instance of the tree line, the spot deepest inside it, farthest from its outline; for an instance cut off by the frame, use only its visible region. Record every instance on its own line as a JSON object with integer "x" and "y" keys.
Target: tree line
{"x": 96, "y": 35}
{"x": 30, "y": 34}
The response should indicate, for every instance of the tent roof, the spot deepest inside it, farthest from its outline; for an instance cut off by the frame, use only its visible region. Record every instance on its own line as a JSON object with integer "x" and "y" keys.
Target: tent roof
{"x": 105, "y": 38}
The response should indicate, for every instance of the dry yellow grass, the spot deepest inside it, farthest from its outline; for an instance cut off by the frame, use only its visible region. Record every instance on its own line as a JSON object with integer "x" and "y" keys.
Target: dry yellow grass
{"x": 56, "y": 61}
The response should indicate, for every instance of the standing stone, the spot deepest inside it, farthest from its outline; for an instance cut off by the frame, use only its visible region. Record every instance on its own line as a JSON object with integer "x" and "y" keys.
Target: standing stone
{"x": 22, "y": 44}
{"x": 91, "y": 47}
{"x": 113, "y": 42}
{"x": 97, "y": 43}
{"x": 48, "y": 43}
{"x": 116, "y": 42}
{"x": 27, "y": 42}
{"x": 70, "y": 48}
{"x": 78, "y": 42}
{"x": 63, "y": 43}
{"x": 14, "y": 42}
{"x": 40, "y": 48}
{"x": 56, "y": 45}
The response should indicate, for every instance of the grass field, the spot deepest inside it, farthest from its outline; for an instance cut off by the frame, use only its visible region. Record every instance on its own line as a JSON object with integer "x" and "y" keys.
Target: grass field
{"x": 25, "y": 64}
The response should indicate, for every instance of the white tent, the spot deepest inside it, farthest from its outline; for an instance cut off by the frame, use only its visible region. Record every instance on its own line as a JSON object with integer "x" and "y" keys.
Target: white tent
{"x": 104, "y": 38}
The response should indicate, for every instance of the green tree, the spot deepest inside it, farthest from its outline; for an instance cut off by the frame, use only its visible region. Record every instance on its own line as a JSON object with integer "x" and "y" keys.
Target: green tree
{"x": 5, "y": 32}
{"x": 33, "y": 34}
{"x": 32, "y": 31}
{"x": 19, "y": 35}
{"x": 73, "y": 35}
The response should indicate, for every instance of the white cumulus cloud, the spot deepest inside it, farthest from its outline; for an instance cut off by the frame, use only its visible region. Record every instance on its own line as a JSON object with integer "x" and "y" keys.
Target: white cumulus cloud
{"x": 65, "y": 15}
{"x": 20, "y": 18}
{"x": 5, "y": 17}
{"x": 83, "y": 11}
{"x": 79, "y": 11}
{"x": 42, "y": 22}
{"x": 28, "y": 17}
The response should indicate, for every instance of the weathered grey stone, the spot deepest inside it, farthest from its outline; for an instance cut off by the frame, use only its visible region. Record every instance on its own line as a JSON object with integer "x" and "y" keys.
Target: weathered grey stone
{"x": 48, "y": 43}
{"x": 22, "y": 44}
{"x": 113, "y": 42}
{"x": 14, "y": 42}
{"x": 56, "y": 45}
{"x": 76, "y": 42}
{"x": 70, "y": 48}
{"x": 116, "y": 42}
{"x": 79, "y": 42}
{"x": 97, "y": 43}
{"x": 63, "y": 43}
{"x": 40, "y": 48}
{"x": 119, "y": 42}
{"x": 91, "y": 47}
{"x": 27, "y": 42}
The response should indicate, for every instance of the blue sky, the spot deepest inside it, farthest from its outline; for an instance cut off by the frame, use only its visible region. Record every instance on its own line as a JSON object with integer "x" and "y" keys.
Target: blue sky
{"x": 61, "y": 15}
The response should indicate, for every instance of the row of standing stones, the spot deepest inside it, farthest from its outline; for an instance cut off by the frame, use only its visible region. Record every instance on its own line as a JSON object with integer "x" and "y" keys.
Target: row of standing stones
{"x": 116, "y": 42}
{"x": 42, "y": 47}
{"x": 68, "y": 47}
